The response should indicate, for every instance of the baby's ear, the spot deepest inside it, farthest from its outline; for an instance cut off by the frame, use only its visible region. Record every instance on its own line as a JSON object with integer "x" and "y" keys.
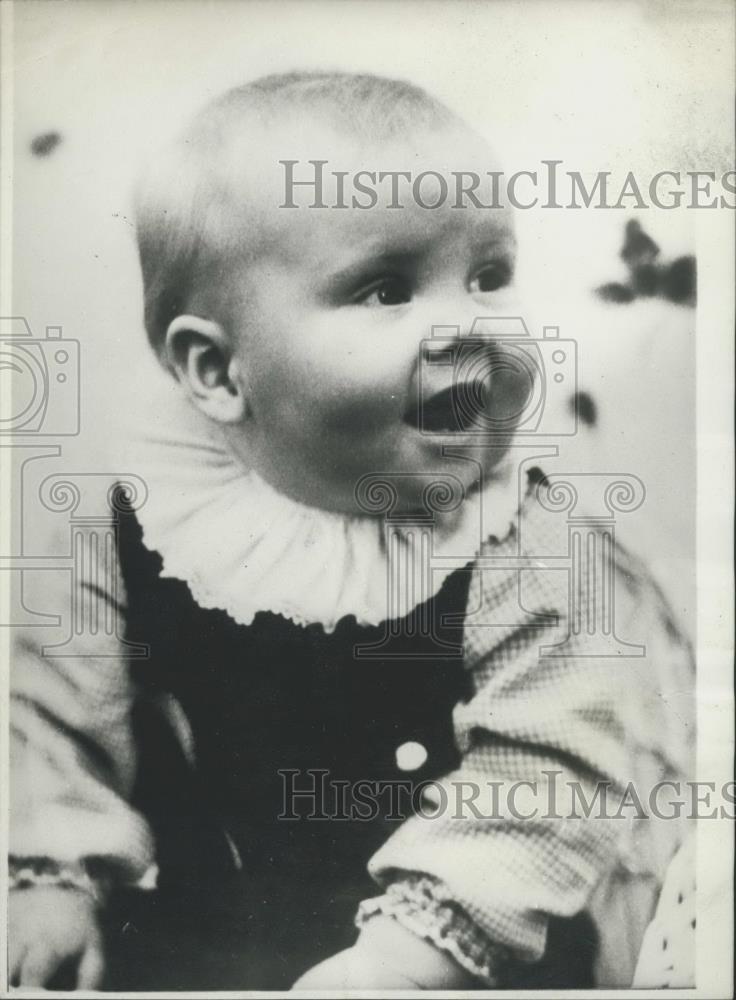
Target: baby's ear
{"x": 200, "y": 354}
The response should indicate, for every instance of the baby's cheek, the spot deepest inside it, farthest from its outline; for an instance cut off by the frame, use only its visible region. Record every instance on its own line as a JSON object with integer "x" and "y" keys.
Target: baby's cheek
{"x": 353, "y": 392}
{"x": 357, "y": 412}
{"x": 325, "y": 418}
{"x": 342, "y": 384}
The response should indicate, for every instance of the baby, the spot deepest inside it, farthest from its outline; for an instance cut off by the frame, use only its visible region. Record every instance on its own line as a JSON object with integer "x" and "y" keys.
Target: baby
{"x": 303, "y": 441}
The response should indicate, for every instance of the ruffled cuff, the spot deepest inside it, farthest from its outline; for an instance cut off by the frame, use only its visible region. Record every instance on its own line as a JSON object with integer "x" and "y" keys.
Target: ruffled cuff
{"x": 423, "y": 905}
{"x": 27, "y": 873}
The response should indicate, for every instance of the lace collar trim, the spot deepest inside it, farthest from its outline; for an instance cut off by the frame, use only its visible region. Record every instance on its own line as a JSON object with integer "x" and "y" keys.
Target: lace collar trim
{"x": 243, "y": 547}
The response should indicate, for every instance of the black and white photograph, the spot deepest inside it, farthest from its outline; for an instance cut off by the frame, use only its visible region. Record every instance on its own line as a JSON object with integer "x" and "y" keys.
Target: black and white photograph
{"x": 366, "y": 456}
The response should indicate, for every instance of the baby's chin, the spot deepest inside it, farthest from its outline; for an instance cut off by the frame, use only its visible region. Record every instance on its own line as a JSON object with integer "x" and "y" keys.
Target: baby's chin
{"x": 434, "y": 491}
{"x": 388, "y": 494}
{"x": 426, "y": 476}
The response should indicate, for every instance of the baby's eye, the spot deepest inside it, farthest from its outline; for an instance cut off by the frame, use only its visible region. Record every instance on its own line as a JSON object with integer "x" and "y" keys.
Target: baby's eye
{"x": 387, "y": 292}
{"x": 491, "y": 277}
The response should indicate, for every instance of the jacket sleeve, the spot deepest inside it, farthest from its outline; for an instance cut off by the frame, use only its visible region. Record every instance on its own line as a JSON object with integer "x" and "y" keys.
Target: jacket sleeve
{"x": 510, "y": 846}
{"x": 72, "y": 754}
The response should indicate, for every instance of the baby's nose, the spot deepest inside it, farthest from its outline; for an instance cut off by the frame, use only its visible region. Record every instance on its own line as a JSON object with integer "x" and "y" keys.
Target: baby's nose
{"x": 452, "y": 356}
{"x": 471, "y": 325}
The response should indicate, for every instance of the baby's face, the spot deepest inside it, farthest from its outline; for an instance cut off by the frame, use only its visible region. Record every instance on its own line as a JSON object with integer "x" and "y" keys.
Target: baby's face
{"x": 333, "y": 325}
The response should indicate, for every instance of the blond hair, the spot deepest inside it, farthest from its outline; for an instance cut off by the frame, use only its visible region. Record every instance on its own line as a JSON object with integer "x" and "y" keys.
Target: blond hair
{"x": 185, "y": 199}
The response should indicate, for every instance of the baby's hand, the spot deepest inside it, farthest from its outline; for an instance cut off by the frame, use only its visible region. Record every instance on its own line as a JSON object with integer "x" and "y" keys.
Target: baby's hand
{"x": 386, "y": 956}
{"x": 53, "y": 929}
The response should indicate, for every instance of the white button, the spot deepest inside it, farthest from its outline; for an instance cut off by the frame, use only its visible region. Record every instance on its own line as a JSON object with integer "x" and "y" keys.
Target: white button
{"x": 410, "y": 756}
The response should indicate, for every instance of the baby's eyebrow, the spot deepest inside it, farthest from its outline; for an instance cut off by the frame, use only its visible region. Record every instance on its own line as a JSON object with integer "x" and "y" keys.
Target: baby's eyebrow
{"x": 372, "y": 263}
{"x": 502, "y": 244}
{"x": 368, "y": 262}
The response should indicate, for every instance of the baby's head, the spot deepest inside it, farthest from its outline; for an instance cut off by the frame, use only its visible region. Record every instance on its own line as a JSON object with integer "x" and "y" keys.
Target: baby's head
{"x": 306, "y": 332}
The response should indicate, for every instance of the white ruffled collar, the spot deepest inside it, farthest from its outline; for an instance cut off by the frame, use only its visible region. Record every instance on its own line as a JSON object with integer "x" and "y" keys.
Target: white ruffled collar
{"x": 242, "y": 547}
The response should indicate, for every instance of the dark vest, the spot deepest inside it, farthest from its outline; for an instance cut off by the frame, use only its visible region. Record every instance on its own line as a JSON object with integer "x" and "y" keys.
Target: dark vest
{"x": 276, "y": 708}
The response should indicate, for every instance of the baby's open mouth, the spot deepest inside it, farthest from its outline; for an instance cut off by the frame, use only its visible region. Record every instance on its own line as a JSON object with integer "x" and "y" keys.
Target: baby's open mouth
{"x": 460, "y": 407}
